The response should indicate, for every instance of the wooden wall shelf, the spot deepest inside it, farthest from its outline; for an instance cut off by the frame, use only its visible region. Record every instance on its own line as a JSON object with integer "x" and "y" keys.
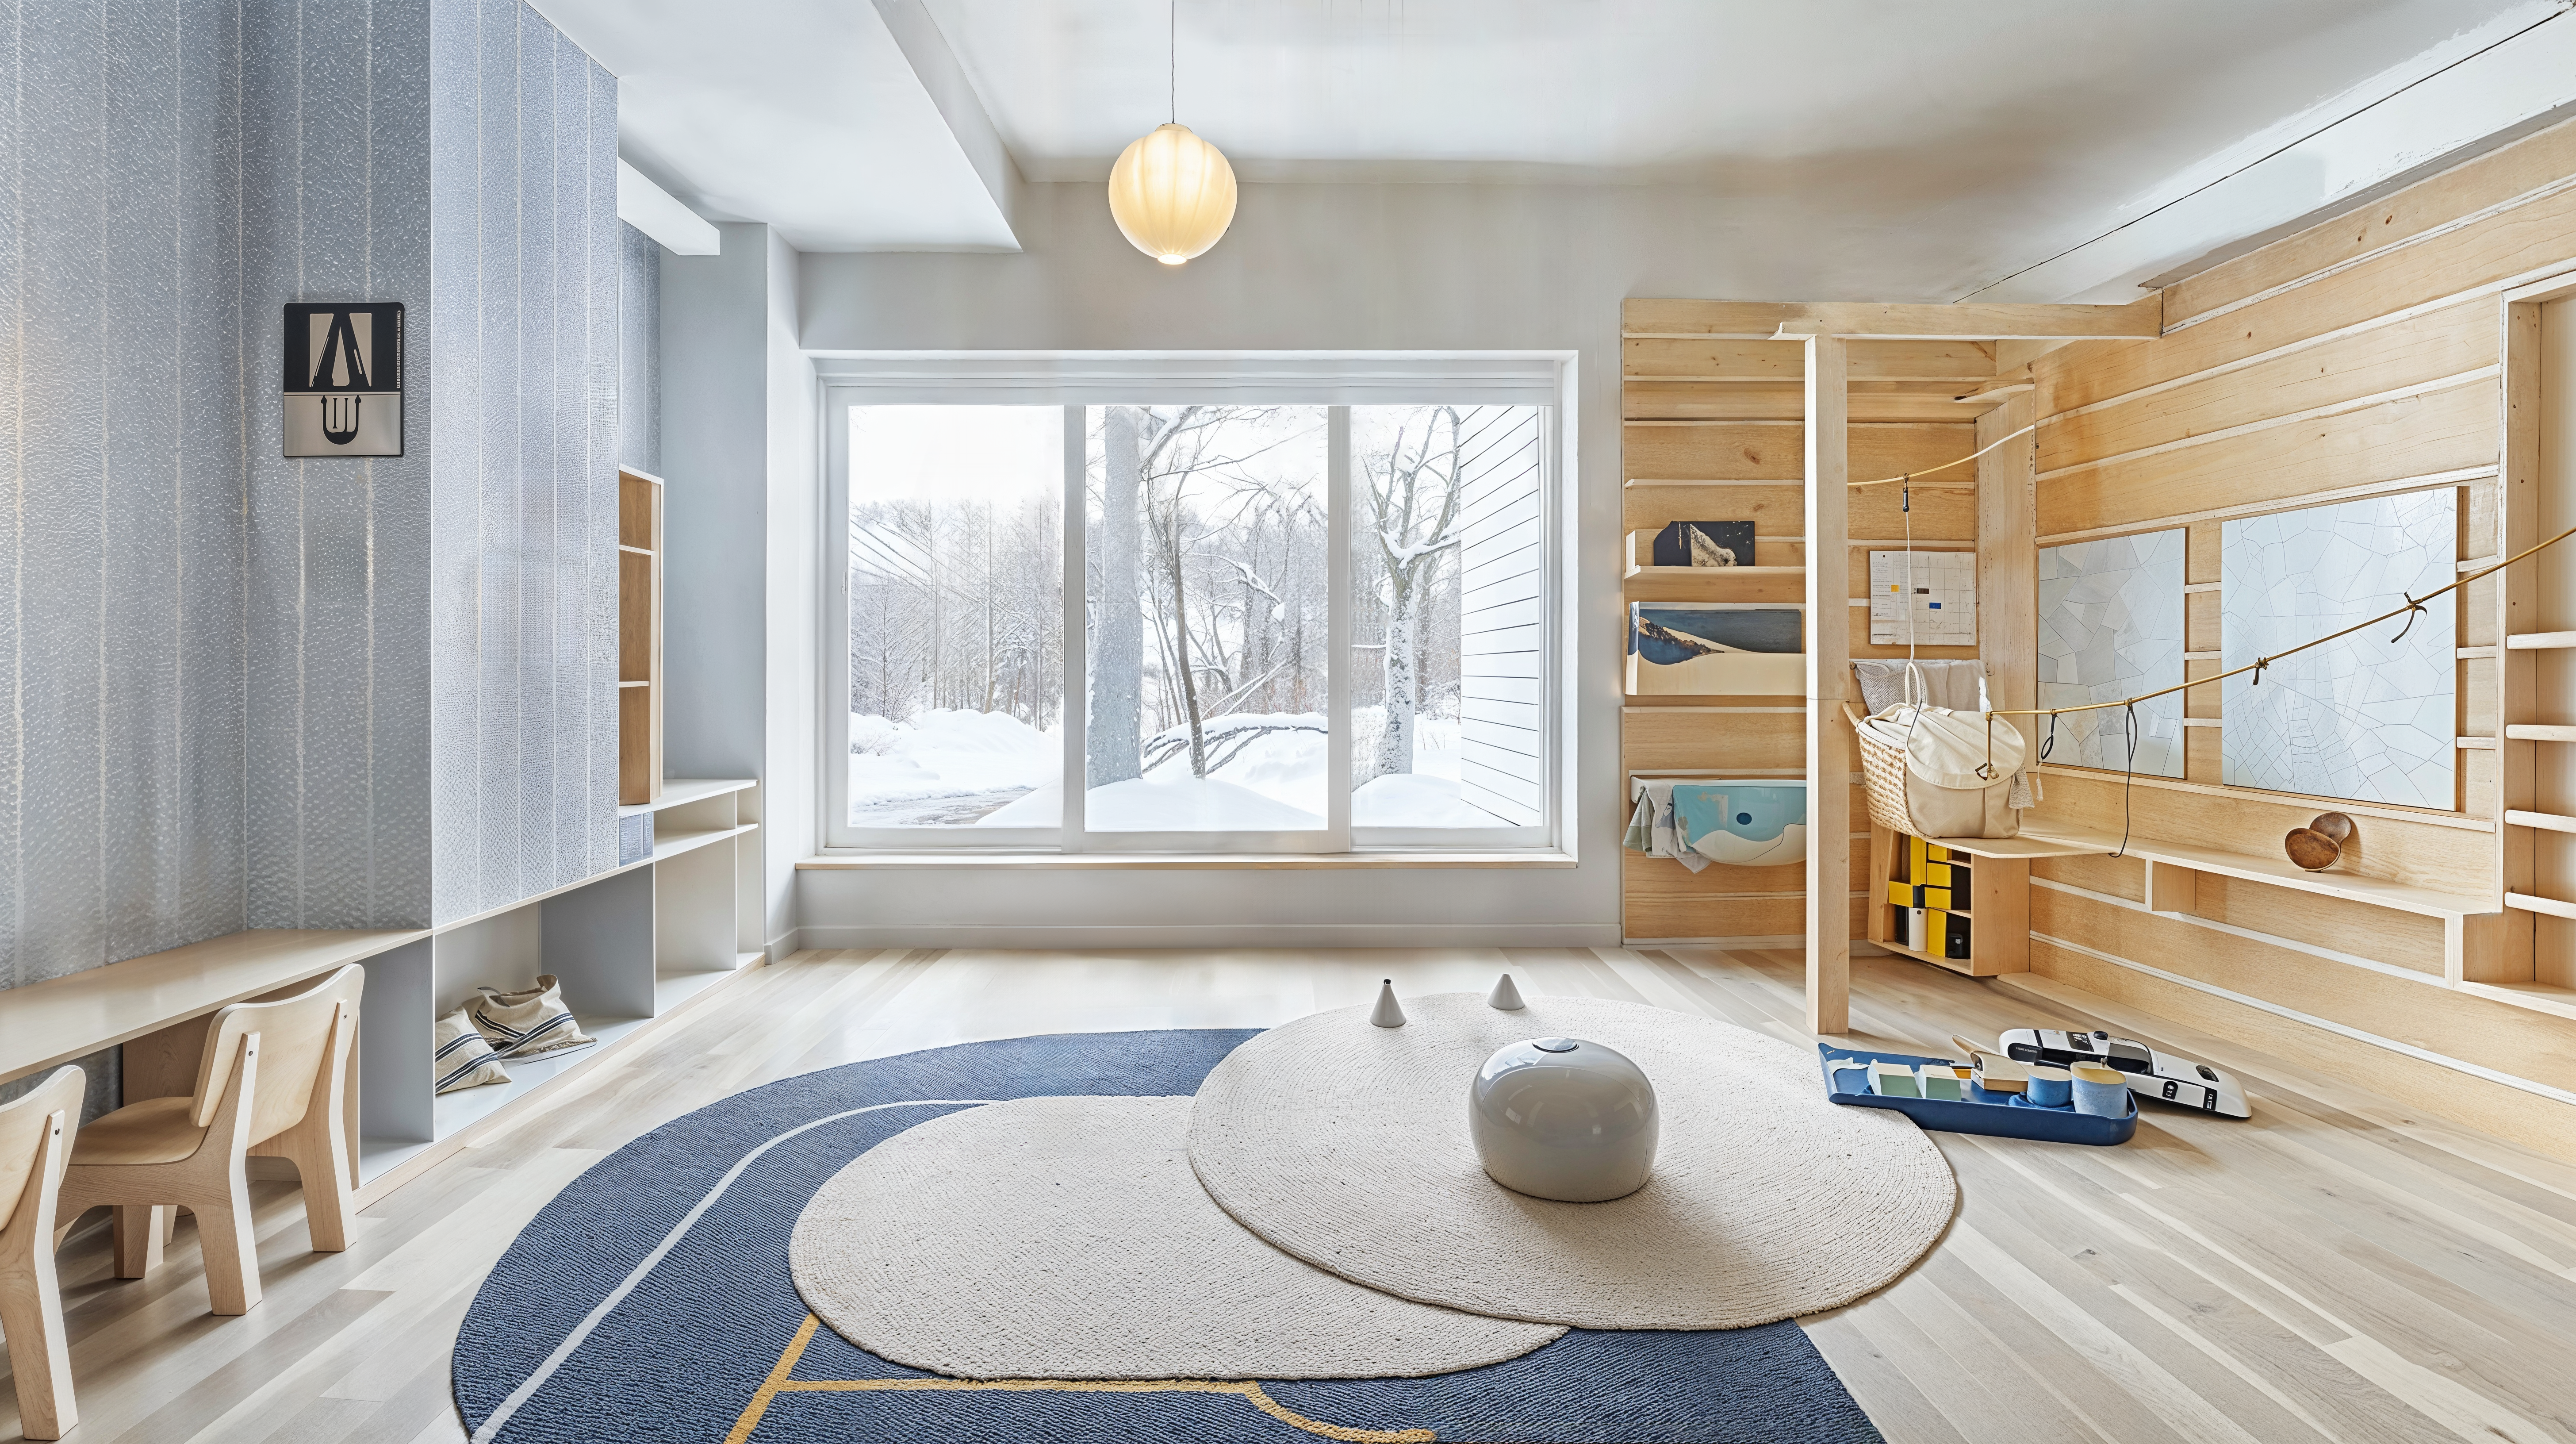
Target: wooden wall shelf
{"x": 639, "y": 635}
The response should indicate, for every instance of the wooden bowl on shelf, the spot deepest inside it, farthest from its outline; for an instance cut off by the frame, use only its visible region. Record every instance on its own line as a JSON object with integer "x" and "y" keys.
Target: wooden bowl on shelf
{"x": 2310, "y": 849}
{"x": 2336, "y": 827}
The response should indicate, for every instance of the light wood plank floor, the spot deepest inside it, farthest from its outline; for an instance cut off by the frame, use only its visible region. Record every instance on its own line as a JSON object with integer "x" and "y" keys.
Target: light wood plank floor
{"x": 2336, "y": 1269}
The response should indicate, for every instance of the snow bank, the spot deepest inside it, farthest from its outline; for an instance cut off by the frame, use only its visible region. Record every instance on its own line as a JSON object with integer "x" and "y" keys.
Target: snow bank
{"x": 1159, "y": 804}
{"x": 946, "y": 753}
{"x": 1275, "y": 783}
{"x": 1416, "y": 799}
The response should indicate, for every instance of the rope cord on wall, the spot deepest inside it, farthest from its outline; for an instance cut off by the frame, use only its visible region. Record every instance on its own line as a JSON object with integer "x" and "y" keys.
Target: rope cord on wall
{"x": 2414, "y": 604}
{"x": 1912, "y": 476}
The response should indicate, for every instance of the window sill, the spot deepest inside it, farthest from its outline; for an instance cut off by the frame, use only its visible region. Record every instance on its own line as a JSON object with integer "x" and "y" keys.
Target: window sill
{"x": 1108, "y": 861}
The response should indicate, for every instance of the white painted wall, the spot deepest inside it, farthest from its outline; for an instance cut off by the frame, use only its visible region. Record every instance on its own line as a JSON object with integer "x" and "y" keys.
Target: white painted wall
{"x": 1326, "y": 267}
{"x": 791, "y": 790}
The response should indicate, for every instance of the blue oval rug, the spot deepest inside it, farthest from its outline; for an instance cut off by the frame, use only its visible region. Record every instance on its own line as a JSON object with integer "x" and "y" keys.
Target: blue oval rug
{"x": 651, "y": 1300}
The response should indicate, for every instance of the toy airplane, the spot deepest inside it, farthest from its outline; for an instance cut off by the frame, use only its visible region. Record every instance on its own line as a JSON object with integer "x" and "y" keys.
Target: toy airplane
{"x": 2151, "y": 1074}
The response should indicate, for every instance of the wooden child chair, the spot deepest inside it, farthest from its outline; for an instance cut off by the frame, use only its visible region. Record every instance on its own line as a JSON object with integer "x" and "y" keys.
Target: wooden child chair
{"x": 273, "y": 1074}
{"x": 36, "y": 1133}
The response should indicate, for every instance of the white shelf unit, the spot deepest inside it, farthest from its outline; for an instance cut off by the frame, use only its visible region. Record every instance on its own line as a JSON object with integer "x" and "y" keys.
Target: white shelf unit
{"x": 631, "y": 946}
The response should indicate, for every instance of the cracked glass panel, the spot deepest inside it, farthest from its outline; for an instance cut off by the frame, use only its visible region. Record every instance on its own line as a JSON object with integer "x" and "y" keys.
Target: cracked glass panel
{"x": 2111, "y": 627}
{"x": 2367, "y": 717}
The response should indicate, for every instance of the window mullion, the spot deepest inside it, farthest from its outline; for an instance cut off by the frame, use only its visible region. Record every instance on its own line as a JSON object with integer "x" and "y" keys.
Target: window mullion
{"x": 1337, "y": 572}
{"x": 1077, "y": 633}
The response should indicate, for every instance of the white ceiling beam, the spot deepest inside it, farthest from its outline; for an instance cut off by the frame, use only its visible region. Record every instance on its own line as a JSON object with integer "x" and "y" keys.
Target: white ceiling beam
{"x": 657, "y": 213}
{"x": 935, "y": 64}
{"x": 2484, "y": 87}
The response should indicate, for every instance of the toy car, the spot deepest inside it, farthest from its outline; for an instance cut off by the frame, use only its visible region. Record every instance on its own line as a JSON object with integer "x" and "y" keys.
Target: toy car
{"x": 2151, "y": 1074}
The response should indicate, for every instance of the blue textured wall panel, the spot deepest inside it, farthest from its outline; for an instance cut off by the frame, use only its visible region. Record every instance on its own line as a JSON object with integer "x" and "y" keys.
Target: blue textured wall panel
{"x": 399, "y": 223}
{"x": 138, "y": 718}
{"x": 456, "y": 388}
{"x": 318, "y": 693}
{"x": 608, "y": 410}
{"x": 639, "y": 354}
{"x": 271, "y": 95}
{"x": 60, "y": 543}
{"x": 207, "y": 506}
{"x": 499, "y": 481}
{"x": 13, "y": 233}
{"x": 332, "y": 245}
{"x": 540, "y": 404}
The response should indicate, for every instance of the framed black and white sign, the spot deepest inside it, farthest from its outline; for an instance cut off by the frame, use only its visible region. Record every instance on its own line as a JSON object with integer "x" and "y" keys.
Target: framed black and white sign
{"x": 344, "y": 379}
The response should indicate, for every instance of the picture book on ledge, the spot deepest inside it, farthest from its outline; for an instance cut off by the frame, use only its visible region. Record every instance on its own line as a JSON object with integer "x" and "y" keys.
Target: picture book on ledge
{"x": 1716, "y": 649}
{"x": 1704, "y": 544}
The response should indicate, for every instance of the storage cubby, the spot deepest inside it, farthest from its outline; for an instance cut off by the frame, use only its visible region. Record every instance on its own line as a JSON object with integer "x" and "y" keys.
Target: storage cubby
{"x": 630, "y": 947}
{"x": 639, "y": 636}
{"x": 1997, "y": 904}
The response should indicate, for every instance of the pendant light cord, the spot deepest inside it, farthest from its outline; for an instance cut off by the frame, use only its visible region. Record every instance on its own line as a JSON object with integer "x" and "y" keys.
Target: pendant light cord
{"x": 1172, "y": 60}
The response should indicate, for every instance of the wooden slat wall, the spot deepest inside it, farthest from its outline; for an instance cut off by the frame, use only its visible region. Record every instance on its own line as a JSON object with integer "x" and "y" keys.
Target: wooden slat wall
{"x": 2361, "y": 356}
{"x": 1703, "y": 418}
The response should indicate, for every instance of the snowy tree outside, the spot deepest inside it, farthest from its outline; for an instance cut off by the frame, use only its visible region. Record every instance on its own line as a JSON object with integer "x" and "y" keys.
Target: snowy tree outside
{"x": 956, "y": 610}
{"x": 1207, "y": 589}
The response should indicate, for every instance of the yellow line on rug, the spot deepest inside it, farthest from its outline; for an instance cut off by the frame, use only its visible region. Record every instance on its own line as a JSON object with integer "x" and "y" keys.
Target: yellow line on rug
{"x": 1250, "y": 1392}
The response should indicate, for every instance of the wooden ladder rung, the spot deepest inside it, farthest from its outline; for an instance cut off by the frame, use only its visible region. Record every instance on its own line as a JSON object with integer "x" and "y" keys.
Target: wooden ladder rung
{"x": 2552, "y": 821}
{"x": 2539, "y": 732}
{"x": 2549, "y": 905}
{"x": 2540, "y": 641}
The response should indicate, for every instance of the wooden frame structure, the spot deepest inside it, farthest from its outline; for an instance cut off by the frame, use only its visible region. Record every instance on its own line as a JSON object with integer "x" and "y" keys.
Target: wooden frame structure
{"x": 1987, "y": 387}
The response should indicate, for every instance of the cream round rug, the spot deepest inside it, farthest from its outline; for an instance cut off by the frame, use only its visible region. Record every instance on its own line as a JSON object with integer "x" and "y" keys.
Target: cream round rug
{"x": 1065, "y": 1238}
{"x": 1347, "y": 1145}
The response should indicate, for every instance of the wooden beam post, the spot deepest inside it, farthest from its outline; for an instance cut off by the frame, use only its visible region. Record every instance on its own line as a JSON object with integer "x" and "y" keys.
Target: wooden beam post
{"x": 1829, "y": 743}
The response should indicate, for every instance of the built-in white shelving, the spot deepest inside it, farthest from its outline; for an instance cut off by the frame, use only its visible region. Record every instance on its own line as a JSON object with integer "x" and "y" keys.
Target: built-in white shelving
{"x": 631, "y": 946}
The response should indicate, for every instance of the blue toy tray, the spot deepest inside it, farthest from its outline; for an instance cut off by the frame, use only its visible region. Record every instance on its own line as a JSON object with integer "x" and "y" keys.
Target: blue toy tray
{"x": 2002, "y": 1115}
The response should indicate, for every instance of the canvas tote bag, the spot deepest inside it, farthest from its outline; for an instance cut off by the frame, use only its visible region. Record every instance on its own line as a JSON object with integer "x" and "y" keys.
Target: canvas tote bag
{"x": 529, "y": 1022}
{"x": 1935, "y": 772}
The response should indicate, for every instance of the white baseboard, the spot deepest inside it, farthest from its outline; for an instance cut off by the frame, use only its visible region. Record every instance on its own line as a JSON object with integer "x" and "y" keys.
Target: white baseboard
{"x": 1300, "y": 935}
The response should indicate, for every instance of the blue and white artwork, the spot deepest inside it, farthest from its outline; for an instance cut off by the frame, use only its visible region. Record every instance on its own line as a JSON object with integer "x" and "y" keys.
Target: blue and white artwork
{"x": 2367, "y": 717}
{"x": 1747, "y": 824}
{"x": 2110, "y": 628}
{"x": 1687, "y": 649}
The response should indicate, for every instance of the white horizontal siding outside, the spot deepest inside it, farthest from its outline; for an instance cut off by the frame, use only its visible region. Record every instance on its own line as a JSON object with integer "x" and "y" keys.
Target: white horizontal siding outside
{"x": 1501, "y": 627}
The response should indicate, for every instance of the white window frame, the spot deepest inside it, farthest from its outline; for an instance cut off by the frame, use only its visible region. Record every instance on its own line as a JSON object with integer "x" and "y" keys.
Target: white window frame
{"x": 1078, "y": 380}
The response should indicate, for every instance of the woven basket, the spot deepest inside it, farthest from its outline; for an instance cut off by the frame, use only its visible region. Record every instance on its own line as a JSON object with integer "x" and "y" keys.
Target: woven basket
{"x": 1882, "y": 774}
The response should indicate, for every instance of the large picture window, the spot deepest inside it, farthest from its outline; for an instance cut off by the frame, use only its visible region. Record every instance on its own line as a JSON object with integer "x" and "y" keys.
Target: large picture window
{"x": 1247, "y": 623}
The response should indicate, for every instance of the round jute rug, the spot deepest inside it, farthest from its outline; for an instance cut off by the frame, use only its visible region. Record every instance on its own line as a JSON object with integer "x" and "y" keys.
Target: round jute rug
{"x": 1347, "y": 1145}
{"x": 1064, "y": 1238}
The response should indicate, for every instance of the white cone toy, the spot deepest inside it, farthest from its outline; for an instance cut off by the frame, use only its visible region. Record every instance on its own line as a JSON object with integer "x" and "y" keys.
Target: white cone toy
{"x": 1504, "y": 995}
{"x": 1387, "y": 1014}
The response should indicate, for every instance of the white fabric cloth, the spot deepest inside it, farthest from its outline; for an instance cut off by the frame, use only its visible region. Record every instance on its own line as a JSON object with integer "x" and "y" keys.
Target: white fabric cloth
{"x": 1065, "y": 1238}
{"x": 1347, "y": 1146}
{"x": 1653, "y": 821}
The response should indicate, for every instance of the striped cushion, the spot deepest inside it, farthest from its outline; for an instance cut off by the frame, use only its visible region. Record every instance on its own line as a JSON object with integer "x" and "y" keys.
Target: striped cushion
{"x": 460, "y": 1057}
{"x": 528, "y": 1022}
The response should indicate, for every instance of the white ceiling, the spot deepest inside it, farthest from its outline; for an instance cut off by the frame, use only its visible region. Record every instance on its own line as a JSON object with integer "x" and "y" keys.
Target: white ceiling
{"x": 801, "y": 113}
{"x": 2016, "y": 129}
{"x": 1903, "y": 95}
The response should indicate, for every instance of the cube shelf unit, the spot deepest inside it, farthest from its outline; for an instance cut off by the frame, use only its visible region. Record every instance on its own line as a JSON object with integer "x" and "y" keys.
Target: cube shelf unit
{"x": 1998, "y": 899}
{"x": 639, "y": 636}
{"x": 632, "y": 946}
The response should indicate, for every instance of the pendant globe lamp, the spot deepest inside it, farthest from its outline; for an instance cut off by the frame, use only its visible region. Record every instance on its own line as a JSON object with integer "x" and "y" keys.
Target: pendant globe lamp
{"x": 1172, "y": 193}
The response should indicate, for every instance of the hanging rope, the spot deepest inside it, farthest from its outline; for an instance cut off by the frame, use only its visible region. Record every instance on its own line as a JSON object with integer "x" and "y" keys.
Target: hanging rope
{"x": 1906, "y": 479}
